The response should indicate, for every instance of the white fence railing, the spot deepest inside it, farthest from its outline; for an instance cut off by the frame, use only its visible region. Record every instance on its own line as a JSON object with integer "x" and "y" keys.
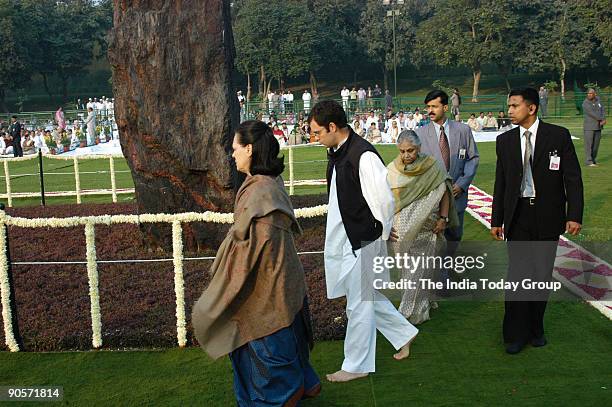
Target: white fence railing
{"x": 113, "y": 190}
{"x": 89, "y": 223}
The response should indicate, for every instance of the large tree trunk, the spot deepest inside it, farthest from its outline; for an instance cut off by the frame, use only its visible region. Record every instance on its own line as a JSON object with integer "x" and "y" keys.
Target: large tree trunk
{"x": 477, "y": 74}
{"x": 174, "y": 107}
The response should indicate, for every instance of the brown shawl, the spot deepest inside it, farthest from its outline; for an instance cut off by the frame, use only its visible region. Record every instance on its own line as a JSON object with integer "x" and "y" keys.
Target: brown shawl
{"x": 258, "y": 282}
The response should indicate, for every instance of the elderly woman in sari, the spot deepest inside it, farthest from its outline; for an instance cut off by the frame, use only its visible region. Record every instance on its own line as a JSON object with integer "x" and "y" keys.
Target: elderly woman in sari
{"x": 423, "y": 209}
{"x": 255, "y": 307}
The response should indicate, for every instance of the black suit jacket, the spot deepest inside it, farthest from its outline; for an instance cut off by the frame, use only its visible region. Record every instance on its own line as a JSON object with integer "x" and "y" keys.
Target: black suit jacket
{"x": 15, "y": 131}
{"x": 559, "y": 194}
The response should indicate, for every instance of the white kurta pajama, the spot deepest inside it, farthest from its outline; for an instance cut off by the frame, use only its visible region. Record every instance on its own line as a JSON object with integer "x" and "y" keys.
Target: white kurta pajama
{"x": 348, "y": 274}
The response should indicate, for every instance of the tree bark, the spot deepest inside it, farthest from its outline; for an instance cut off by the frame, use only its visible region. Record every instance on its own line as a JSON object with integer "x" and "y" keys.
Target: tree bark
{"x": 171, "y": 64}
{"x": 262, "y": 82}
{"x": 248, "y": 95}
{"x": 46, "y": 84}
{"x": 313, "y": 83}
{"x": 562, "y": 77}
{"x": 477, "y": 74}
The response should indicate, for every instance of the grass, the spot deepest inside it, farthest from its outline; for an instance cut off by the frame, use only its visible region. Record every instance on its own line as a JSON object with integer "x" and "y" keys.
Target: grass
{"x": 457, "y": 359}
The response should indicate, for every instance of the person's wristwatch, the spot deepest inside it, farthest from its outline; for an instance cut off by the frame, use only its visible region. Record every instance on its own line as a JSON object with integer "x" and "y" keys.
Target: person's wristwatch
{"x": 444, "y": 218}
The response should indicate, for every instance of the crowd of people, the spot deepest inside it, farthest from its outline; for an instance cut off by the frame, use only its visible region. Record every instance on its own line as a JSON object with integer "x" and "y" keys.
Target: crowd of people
{"x": 413, "y": 206}
{"x": 372, "y": 115}
{"x": 59, "y": 134}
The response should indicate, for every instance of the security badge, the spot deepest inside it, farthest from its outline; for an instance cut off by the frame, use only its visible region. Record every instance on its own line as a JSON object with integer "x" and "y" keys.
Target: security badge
{"x": 462, "y": 154}
{"x": 555, "y": 161}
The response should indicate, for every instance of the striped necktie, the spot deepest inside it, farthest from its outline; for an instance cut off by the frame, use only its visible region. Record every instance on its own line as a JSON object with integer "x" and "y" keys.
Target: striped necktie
{"x": 444, "y": 148}
{"x": 527, "y": 184}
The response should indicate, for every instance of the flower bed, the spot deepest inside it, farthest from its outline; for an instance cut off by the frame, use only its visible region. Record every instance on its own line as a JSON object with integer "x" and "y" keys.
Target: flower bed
{"x": 137, "y": 301}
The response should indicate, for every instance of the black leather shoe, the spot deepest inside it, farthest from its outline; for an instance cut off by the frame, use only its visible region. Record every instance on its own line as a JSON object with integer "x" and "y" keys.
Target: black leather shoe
{"x": 515, "y": 347}
{"x": 538, "y": 342}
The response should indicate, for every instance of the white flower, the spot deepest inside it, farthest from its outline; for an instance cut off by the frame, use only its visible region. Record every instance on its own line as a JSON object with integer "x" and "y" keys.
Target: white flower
{"x": 5, "y": 292}
{"x": 179, "y": 283}
{"x": 92, "y": 274}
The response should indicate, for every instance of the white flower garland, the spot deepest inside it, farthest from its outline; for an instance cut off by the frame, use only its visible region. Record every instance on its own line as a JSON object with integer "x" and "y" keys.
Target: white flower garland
{"x": 94, "y": 294}
{"x": 7, "y": 316}
{"x": 77, "y": 179}
{"x": 92, "y": 270}
{"x": 7, "y": 176}
{"x": 179, "y": 283}
{"x": 113, "y": 182}
{"x": 211, "y": 217}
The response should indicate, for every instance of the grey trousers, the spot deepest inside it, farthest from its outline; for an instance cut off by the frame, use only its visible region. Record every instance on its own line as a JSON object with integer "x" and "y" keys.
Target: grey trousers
{"x": 591, "y": 145}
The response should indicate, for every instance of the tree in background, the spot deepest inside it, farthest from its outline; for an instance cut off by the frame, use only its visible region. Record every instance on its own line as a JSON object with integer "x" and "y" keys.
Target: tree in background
{"x": 377, "y": 34}
{"x": 464, "y": 33}
{"x": 52, "y": 38}
{"x": 563, "y": 38}
{"x": 338, "y": 24}
{"x": 279, "y": 39}
{"x": 15, "y": 61}
{"x": 80, "y": 25}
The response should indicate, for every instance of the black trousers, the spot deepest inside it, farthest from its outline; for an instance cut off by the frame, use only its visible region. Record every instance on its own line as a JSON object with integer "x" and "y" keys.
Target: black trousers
{"x": 17, "y": 150}
{"x": 531, "y": 258}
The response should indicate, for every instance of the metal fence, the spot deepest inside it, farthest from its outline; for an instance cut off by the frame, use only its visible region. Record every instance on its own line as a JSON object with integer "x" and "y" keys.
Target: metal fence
{"x": 556, "y": 106}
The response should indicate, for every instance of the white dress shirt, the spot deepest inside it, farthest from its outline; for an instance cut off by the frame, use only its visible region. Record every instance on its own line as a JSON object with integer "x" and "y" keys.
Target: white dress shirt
{"x": 437, "y": 127}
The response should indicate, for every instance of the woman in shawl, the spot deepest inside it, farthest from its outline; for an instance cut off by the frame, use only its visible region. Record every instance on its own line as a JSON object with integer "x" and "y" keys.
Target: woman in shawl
{"x": 255, "y": 307}
{"x": 423, "y": 209}
{"x": 60, "y": 119}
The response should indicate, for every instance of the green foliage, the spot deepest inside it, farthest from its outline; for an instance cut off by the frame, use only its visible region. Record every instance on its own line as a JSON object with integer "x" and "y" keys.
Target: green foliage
{"x": 52, "y": 38}
{"x": 15, "y": 63}
{"x": 377, "y": 31}
{"x": 281, "y": 36}
{"x": 464, "y": 33}
{"x": 561, "y": 39}
{"x": 591, "y": 85}
{"x": 551, "y": 86}
{"x": 442, "y": 85}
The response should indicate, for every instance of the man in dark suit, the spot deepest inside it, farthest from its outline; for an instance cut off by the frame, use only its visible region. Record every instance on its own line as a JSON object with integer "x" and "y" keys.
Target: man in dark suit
{"x": 15, "y": 131}
{"x": 538, "y": 195}
{"x": 452, "y": 144}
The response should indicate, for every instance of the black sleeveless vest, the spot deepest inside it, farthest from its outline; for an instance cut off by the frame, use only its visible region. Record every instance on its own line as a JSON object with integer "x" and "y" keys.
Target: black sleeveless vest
{"x": 360, "y": 225}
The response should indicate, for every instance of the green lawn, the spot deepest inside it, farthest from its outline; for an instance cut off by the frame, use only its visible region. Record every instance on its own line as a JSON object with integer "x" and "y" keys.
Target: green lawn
{"x": 458, "y": 358}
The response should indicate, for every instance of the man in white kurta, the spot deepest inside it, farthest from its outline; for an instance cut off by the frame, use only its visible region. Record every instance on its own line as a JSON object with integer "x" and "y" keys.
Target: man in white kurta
{"x": 349, "y": 272}
{"x": 91, "y": 126}
{"x": 306, "y": 99}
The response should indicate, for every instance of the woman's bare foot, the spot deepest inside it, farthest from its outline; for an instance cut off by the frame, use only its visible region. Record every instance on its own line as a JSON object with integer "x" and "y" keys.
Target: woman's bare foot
{"x": 342, "y": 376}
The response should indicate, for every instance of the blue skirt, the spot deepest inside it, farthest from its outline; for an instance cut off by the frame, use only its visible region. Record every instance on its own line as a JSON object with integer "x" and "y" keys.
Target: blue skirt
{"x": 275, "y": 370}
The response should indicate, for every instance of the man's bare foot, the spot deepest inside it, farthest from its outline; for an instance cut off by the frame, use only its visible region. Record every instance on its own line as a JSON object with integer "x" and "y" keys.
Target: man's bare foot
{"x": 342, "y": 376}
{"x": 403, "y": 353}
